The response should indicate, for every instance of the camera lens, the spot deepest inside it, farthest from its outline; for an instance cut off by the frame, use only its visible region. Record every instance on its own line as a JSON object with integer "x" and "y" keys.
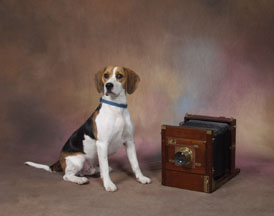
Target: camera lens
{"x": 183, "y": 157}
{"x": 180, "y": 158}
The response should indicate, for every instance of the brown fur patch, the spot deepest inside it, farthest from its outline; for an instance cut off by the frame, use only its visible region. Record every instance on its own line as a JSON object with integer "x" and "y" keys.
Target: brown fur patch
{"x": 63, "y": 156}
{"x": 123, "y": 80}
{"x": 109, "y": 71}
{"x": 98, "y": 80}
{"x": 56, "y": 167}
{"x": 96, "y": 112}
{"x": 132, "y": 81}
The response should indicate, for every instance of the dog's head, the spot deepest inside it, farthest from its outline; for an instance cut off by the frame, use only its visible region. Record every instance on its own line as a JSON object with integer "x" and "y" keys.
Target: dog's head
{"x": 113, "y": 80}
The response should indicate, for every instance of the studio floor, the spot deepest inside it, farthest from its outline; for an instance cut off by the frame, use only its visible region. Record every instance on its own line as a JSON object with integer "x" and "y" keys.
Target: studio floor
{"x": 29, "y": 191}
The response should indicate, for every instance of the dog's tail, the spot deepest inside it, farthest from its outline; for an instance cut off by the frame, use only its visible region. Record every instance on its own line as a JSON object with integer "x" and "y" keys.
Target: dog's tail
{"x": 56, "y": 167}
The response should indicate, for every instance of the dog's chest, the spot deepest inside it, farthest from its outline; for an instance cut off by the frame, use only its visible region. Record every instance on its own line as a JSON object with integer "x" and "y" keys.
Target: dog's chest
{"x": 117, "y": 138}
{"x": 117, "y": 129}
{"x": 111, "y": 126}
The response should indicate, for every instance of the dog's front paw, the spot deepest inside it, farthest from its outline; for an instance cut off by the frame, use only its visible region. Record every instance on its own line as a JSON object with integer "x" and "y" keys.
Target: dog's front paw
{"x": 82, "y": 180}
{"x": 110, "y": 186}
{"x": 76, "y": 179}
{"x": 143, "y": 180}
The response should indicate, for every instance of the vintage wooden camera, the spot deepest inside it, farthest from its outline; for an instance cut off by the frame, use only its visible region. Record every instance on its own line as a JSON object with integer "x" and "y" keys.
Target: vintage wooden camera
{"x": 199, "y": 154}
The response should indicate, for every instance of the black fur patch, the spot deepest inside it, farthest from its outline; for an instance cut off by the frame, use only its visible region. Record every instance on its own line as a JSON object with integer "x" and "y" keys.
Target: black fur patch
{"x": 75, "y": 142}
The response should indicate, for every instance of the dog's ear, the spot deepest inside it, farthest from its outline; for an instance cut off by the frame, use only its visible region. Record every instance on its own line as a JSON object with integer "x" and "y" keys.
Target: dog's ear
{"x": 132, "y": 80}
{"x": 98, "y": 80}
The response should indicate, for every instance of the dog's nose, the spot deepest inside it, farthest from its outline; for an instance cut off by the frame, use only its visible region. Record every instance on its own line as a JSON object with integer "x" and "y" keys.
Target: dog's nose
{"x": 109, "y": 86}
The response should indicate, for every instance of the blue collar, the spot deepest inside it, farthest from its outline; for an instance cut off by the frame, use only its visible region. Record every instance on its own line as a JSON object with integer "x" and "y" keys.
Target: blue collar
{"x": 113, "y": 103}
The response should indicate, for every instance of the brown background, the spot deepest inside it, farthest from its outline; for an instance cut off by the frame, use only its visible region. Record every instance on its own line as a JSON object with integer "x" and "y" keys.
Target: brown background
{"x": 212, "y": 57}
{"x": 202, "y": 57}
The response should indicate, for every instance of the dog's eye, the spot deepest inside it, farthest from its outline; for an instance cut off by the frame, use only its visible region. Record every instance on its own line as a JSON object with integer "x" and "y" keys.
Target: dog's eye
{"x": 119, "y": 76}
{"x": 106, "y": 75}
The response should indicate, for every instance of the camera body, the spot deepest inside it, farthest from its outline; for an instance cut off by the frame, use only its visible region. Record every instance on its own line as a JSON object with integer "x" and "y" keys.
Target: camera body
{"x": 199, "y": 154}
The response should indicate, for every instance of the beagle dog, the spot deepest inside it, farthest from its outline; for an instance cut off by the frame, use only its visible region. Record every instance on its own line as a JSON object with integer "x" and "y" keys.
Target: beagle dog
{"x": 104, "y": 132}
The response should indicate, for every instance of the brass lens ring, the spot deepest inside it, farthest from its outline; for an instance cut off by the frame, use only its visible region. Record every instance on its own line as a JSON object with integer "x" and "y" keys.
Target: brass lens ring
{"x": 183, "y": 157}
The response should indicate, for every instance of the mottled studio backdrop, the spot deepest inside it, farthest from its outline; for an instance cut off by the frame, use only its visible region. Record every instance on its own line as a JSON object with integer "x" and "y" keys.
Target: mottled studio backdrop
{"x": 212, "y": 57}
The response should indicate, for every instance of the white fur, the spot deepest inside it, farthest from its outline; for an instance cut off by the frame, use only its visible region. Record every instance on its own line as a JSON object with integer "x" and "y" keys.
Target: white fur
{"x": 114, "y": 70}
{"x": 74, "y": 165}
{"x": 39, "y": 166}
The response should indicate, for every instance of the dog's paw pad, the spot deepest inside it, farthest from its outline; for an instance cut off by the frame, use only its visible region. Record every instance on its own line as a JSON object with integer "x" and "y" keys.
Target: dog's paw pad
{"x": 144, "y": 180}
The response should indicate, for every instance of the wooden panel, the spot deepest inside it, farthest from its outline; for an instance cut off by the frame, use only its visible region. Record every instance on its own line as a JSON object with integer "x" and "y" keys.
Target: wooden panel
{"x": 163, "y": 135}
{"x": 184, "y": 180}
{"x": 181, "y": 141}
{"x": 199, "y": 156}
{"x": 196, "y": 170}
{"x": 185, "y": 133}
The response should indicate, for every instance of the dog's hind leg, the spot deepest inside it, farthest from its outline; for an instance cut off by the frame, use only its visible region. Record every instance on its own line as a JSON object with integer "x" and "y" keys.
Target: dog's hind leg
{"x": 88, "y": 169}
{"x": 74, "y": 164}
